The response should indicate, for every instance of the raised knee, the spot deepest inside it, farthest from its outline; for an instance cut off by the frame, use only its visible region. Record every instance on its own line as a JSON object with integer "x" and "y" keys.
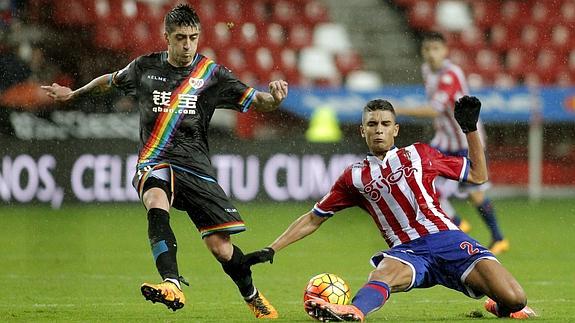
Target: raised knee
{"x": 515, "y": 300}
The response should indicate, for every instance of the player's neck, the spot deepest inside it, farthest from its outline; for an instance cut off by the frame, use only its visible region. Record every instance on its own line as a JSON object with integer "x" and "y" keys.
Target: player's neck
{"x": 176, "y": 63}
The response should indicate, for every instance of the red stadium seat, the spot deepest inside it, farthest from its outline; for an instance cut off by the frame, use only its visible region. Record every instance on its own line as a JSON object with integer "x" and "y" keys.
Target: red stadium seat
{"x": 422, "y": 15}
{"x": 517, "y": 62}
{"x": 234, "y": 59}
{"x": 485, "y": 12}
{"x": 275, "y": 36}
{"x": 75, "y": 12}
{"x": 471, "y": 39}
{"x": 348, "y": 61}
{"x": 487, "y": 63}
{"x": 460, "y": 57}
{"x": 300, "y": 36}
{"x": 514, "y": 12}
{"x": 284, "y": 12}
{"x": 231, "y": 11}
{"x": 248, "y": 35}
{"x": 315, "y": 12}
{"x": 544, "y": 13}
{"x": 562, "y": 39}
{"x": 531, "y": 39}
{"x": 502, "y": 38}
{"x": 504, "y": 81}
{"x": 568, "y": 12}
{"x": 111, "y": 36}
{"x": 547, "y": 66}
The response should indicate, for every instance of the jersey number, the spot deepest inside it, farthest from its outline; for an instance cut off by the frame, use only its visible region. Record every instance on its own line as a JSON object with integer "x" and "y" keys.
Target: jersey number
{"x": 466, "y": 245}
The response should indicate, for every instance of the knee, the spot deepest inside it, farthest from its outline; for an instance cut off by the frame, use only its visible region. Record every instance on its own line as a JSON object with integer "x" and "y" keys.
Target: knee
{"x": 514, "y": 299}
{"x": 222, "y": 249}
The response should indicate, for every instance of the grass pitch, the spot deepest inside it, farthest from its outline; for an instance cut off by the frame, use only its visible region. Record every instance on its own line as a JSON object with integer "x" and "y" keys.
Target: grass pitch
{"x": 86, "y": 263}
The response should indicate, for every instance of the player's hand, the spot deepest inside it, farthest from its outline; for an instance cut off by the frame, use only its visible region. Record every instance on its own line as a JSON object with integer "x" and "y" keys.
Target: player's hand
{"x": 260, "y": 256}
{"x": 279, "y": 90}
{"x": 467, "y": 113}
{"x": 58, "y": 92}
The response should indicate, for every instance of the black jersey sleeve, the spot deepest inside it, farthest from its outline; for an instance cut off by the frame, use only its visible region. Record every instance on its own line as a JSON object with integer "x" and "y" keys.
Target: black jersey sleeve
{"x": 126, "y": 79}
{"x": 233, "y": 93}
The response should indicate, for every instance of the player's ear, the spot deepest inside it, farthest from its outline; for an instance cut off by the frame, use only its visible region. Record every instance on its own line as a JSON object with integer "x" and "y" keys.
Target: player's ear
{"x": 166, "y": 36}
{"x": 361, "y": 132}
{"x": 396, "y": 130}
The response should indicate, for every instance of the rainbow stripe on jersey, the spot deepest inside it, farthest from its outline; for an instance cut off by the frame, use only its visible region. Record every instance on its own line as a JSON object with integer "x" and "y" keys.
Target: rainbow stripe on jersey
{"x": 167, "y": 122}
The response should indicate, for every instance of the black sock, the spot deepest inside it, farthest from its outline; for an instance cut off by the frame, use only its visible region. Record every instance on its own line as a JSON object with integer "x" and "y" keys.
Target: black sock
{"x": 488, "y": 214}
{"x": 163, "y": 243}
{"x": 239, "y": 273}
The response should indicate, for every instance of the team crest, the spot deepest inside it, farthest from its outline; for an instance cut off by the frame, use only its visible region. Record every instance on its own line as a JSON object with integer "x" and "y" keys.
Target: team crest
{"x": 196, "y": 83}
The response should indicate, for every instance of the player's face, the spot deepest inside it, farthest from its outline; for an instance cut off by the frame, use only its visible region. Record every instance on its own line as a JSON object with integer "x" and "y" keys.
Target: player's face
{"x": 182, "y": 45}
{"x": 434, "y": 52}
{"x": 379, "y": 130}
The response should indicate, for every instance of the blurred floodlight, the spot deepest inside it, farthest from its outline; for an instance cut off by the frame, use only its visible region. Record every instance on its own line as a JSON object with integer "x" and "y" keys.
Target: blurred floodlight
{"x": 453, "y": 15}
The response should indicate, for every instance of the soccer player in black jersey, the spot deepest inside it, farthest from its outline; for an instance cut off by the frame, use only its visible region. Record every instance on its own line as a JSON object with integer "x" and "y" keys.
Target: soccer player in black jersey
{"x": 177, "y": 92}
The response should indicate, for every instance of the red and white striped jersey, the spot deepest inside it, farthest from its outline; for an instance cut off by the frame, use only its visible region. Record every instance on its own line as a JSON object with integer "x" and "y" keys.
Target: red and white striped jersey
{"x": 398, "y": 191}
{"x": 443, "y": 88}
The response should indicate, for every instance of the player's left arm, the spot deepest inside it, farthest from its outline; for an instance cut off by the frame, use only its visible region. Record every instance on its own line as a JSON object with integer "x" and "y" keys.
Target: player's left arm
{"x": 269, "y": 101}
{"x": 466, "y": 113}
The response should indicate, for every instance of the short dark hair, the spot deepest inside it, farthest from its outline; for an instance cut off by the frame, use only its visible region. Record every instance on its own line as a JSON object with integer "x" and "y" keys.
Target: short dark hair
{"x": 378, "y": 104}
{"x": 433, "y": 36}
{"x": 181, "y": 15}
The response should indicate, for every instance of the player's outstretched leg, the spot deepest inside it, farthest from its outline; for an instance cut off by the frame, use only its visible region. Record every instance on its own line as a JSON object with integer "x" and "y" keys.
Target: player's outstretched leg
{"x": 327, "y": 312}
{"x": 493, "y": 308}
{"x": 241, "y": 274}
{"x": 166, "y": 292}
{"x": 164, "y": 248}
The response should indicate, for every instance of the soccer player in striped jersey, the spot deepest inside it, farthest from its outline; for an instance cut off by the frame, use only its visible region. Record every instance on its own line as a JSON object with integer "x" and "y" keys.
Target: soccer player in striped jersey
{"x": 396, "y": 187}
{"x": 445, "y": 83}
{"x": 177, "y": 92}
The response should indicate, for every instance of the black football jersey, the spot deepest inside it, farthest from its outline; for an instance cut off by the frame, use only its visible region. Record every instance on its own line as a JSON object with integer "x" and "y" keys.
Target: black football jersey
{"x": 176, "y": 105}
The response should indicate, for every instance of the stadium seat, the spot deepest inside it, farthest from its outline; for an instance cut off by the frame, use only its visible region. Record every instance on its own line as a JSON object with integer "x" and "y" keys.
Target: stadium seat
{"x": 530, "y": 40}
{"x": 363, "y": 81}
{"x": 316, "y": 63}
{"x": 234, "y": 59}
{"x": 568, "y": 12}
{"x": 517, "y": 62}
{"x": 460, "y": 57}
{"x": 502, "y": 37}
{"x": 230, "y": 11}
{"x": 547, "y": 66}
{"x": 504, "y": 81}
{"x": 220, "y": 37}
{"x": 544, "y": 13}
{"x": 275, "y": 36}
{"x": 562, "y": 39}
{"x": 453, "y": 15}
{"x": 421, "y": 15}
{"x": 348, "y": 61}
{"x": 284, "y": 12}
{"x": 514, "y": 12}
{"x": 300, "y": 36}
{"x": 74, "y": 12}
{"x": 315, "y": 12}
{"x": 331, "y": 37}
{"x": 488, "y": 64}
{"x": 485, "y": 13}
{"x": 249, "y": 36}
{"x": 471, "y": 39}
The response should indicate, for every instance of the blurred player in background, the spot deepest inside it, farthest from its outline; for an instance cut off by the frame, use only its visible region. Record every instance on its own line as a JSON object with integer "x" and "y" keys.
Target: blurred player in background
{"x": 177, "y": 92}
{"x": 395, "y": 186}
{"x": 444, "y": 84}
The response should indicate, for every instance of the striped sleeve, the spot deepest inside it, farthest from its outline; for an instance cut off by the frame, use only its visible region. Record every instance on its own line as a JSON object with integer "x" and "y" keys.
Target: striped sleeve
{"x": 340, "y": 196}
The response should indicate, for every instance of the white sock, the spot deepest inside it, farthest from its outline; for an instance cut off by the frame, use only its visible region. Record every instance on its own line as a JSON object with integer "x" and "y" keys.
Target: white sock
{"x": 175, "y": 281}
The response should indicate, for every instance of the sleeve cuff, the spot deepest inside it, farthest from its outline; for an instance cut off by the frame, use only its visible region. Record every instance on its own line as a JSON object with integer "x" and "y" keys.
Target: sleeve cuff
{"x": 247, "y": 98}
{"x": 321, "y": 213}
{"x": 465, "y": 170}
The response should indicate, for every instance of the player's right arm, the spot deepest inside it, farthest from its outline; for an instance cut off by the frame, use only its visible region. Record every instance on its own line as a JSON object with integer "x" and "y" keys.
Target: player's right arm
{"x": 97, "y": 86}
{"x": 466, "y": 113}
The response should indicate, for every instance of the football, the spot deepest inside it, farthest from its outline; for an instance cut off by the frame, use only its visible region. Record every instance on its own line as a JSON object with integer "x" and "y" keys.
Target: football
{"x": 328, "y": 287}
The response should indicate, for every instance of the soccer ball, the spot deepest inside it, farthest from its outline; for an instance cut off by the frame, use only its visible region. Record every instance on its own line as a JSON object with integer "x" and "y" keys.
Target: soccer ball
{"x": 328, "y": 287}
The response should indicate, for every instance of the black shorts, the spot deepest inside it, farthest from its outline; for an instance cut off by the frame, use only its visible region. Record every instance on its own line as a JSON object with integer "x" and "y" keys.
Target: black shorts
{"x": 203, "y": 199}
